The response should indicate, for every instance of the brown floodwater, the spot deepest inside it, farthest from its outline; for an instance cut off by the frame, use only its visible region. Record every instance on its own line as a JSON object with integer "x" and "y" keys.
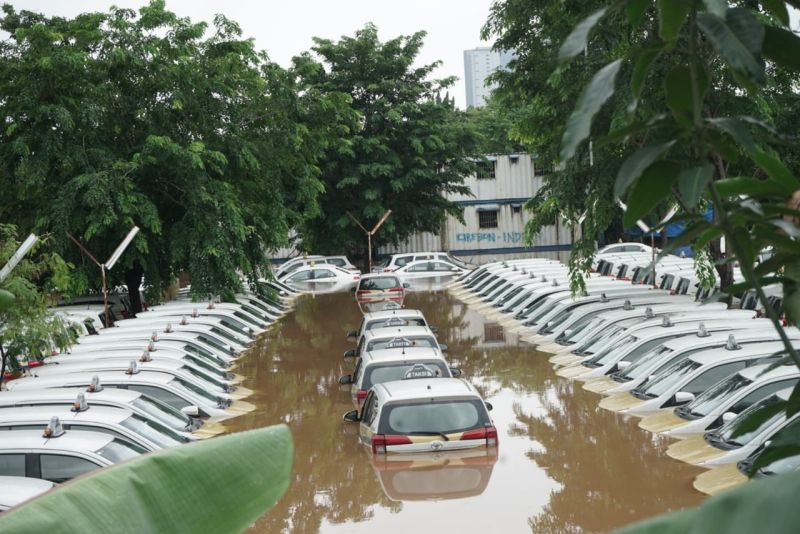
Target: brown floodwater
{"x": 563, "y": 465}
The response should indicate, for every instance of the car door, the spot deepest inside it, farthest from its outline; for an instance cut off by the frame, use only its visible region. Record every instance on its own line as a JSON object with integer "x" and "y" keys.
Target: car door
{"x": 59, "y": 468}
{"x": 369, "y": 413}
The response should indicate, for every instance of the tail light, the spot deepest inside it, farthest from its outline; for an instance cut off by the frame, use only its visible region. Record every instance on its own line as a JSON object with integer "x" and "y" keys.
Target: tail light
{"x": 489, "y": 433}
{"x": 361, "y": 395}
{"x": 356, "y": 277}
{"x": 34, "y": 363}
{"x": 381, "y": 441}
{"x": 395, "y": 290}
{"x": 362, "y": 292}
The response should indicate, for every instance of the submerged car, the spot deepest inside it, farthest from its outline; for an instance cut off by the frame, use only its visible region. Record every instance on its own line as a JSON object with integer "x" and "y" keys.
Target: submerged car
{"x": 424, "y": 415}
{"x": 18, "y": 489}
{"x": 375, "y": 289}
{"x": 388, "y": 319}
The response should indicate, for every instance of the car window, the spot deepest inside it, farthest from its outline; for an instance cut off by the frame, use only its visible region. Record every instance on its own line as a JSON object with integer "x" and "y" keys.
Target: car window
{"x": 378, "y": 283}
{"x": 402, "y": 260}
{"x": 12, "y": 465}
{"x": 301, "y": 276}
{"x": 323, "y": 273}
{"x": 421, "y": 267}
{"x": 442, "y": 266}
{"x": 761, "y": 393}
{"x": 167, "y": 397}
{"x": 433, "y": 417}
{"x": 59, "y": 468}
{"x": 378, "y": 374}
{"x": 339, "y": 262}
{"x": 712, "y": 376}
{"x": 292, "y": 268}
{"x": 119, "y": 451}
{"x": 370, "y": 409}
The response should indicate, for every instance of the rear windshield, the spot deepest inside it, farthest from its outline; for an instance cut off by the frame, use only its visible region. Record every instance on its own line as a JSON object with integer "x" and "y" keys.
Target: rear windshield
{"x": 383, "y": 282}
{"x": 396, "y": 321}
{"x": 438, "y": 417}
{"x": 378, "y": 374}
{"x": 119, "y": 451}
{"x": 413, "y": 341}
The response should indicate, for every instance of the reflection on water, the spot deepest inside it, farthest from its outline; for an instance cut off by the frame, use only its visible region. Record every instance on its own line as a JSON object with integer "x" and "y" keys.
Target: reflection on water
{"x": 563, "y": 464}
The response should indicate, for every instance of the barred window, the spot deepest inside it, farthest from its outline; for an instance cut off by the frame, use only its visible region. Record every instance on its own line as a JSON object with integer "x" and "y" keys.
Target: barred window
{"x": 486, "y": 170}
{"x": 493, "y": 333}
{"x": 487, "y": 219}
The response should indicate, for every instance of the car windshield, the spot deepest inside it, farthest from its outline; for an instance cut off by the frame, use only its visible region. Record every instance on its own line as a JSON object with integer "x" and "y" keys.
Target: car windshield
{"x": 610, "y": 353}
{"x": 644, "y": 364}
{"x": 155, "y": 432}
{"x": 119, "y": 451}
{"x": 713, "y": 397}
{"x": 437, "y": 417}
{"x": 509, "y": 295}
{"x": 726, "y": 432}
{"x": 380, "y": 283}
{"x": 579, "y": 331}
{"x": 668, "y": 378}
{"x": 163, "y": 412}
{"x": 547, "y": 306}
{"x": 187, "y": 387}
{"x": 211, "y": 342}
{"x": 396, "y": 321}
{"x": 224, "y": 334}
{"x": 378, "y": 374}
{"x": 519, "y": 300}
{"x": 413, "y": 341}
{"x": 213, "y": 369}
{"x": 558, "y": 320}
{"x": 203, "y": 353}
{"x": 597, "y": 341}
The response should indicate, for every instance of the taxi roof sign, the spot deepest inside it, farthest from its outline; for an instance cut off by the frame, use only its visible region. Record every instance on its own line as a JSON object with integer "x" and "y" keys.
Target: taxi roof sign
{"x": 395, "y": 321}
{"x": 391, "y": 305}
{"x": 419, "y": 371}
{"x": 398, "y": 342}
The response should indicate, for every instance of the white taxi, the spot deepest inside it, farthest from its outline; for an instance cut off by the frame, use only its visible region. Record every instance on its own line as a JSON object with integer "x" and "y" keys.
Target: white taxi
{"x": 424, "y": 415}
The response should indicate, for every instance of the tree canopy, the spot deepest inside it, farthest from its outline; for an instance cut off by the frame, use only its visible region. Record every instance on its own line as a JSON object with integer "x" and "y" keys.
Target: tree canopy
{"x": 406, "y": 147}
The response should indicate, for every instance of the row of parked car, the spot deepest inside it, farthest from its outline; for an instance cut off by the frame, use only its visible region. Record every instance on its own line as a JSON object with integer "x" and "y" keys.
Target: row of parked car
{"x": 407, "y": 398}
{"x": 158, "y": 380}
{"x": 329, "y": 274}
{"x": 658, "y": 346}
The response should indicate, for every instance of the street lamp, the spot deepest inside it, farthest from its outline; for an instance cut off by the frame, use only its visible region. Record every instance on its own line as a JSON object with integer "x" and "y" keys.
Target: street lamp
{"x": 370, "y": 234}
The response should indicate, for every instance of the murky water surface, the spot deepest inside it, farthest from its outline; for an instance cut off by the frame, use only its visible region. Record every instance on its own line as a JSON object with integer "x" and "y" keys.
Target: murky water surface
{"x": 564, "y": 465}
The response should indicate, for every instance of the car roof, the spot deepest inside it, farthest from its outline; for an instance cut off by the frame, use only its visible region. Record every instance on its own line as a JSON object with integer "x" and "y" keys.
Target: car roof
{"x": 68, "y": 395}
{"x": 82, "y": 378}
{"x": 104, "y": 414}
{"x": 747, "y": 336}
{"x": 757, "y": 373}
{"x": 654, "y": 327}
{"x": 400, "y": 354}
{"x": 425, "y": 388}
{"x": 388, "y": 314}
{"x": 14, "y": 490}
{"x": 751, "y": 349}
{"x": 397, "y": 331}
{"x": 70, "y": 440}
{"x": 367, "y": 276}
{"x": 164, "y": 364}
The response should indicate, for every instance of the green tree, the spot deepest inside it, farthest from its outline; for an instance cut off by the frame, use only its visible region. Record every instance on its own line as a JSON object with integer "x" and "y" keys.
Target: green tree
{"x": 27, "y": 329}
{"x": 188, "y": 131}
{"x": 405, "y": 150}
{"x": 494, "y": 124}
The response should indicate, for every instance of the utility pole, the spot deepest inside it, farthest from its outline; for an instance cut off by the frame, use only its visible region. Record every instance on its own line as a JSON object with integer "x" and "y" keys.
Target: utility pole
{"x": 370, "y": 233}
{"x": 107, "y": 266}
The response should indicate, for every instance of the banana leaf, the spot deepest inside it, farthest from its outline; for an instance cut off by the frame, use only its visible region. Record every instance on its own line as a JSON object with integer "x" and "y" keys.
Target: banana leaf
{"x": 217, "y": 485}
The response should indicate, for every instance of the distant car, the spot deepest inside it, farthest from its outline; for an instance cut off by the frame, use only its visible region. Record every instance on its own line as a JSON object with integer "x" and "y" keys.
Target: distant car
{"x": 16, "y": 490}
{"x": 387, "y": 319}
{"x": 428, "y": 269}
{"x": 622, "y": 248}
{"x": 295, "y": 263}
{"x": 387, "y": 365}
{"x": 341, "y": 261}
{"x": 379, "y": 288}
{"x": 424, "y": 415}
{"x": 322, "y": 279}
{"x": 395, "y": 261}
{"x": 394, "y": 338}
{"x": 62, "y": 456}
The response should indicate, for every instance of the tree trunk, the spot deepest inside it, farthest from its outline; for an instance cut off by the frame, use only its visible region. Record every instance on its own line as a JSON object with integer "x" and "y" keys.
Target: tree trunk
{"x": 724, "y": 270}
{"x": 3, "y": 367}
{"x": 133, "y": 280}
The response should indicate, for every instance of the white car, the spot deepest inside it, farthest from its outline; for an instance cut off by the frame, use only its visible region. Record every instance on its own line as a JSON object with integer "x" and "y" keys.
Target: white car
{"x": 395, "y": 261}
{"x": 62, "y": 455}
{"x": 18, "y": 489}
{"x": 322, "y": 279}
{"x": 389, "y": 319}
{"x": 728, "y": 444}
{"x": 394, "y": 338}
{"x": 428, "y": 269}
{"x": 617, "y": 248}
{"x": 422, "y": 415}
{"x": 295, "y": 263}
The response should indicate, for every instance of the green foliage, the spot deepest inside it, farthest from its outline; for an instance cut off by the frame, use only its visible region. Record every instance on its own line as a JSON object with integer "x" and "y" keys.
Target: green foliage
{"x": 184, "y": 129}
{"x": 403, "y": 149}
{"x": 762, "y": 506}
{"x": 27, "y": 329}
{"x": 217, "y": 485}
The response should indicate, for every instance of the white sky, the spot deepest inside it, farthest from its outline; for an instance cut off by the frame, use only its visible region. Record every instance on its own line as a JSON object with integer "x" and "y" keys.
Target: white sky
{"x": 285, "y": 28}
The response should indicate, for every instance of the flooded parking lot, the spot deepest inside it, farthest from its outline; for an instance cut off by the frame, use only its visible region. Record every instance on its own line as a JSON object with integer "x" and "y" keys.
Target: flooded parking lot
{"x": 563, "y": 465}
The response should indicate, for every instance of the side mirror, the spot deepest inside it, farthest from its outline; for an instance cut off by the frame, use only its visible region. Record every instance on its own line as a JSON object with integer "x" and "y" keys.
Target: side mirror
{"x": 434, "y": 329}
{"x": 352, "y": 333}
{"x": 353, "y": 290}
{"x": 443, "y": 347}
{"x": 351, "y": 417}
{"x": 406, "y": 285}
{"x": 455, "y": 371}
{"x": 191, "y": 411}
{"x": 349, "y": 353}
{"x": 728, "y": 417}
{"x": 682, "y": 397}
{"x": 489, "y": 406}
{"x": 345, "y": 379}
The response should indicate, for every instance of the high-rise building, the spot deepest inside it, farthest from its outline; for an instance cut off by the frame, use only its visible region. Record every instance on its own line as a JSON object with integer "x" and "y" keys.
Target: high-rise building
{"x": 479, "y": 63}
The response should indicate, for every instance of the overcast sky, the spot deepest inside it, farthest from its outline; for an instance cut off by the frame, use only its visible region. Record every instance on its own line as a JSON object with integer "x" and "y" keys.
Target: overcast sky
{"x": 285, "y": 28}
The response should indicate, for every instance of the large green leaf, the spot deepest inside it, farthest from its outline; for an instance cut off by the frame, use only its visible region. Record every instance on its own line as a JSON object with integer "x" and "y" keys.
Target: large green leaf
{"x": 635, "y": 165}
{"x": 742, "y": 185}
{"x": 651, "y": 188}
{"x": 644, "y": 58}
{"x": 594, "y": 95}
{"x": 758, "y": 506}
{"x": 738, "y": 38}
{"x": 671, "y": 15}
{"x": 778, "y": 10}
{"x": 782, "y": 47}
{"x": 692, "y": 182}
{"x": 218, "y": 485}
{"x": 678, "y": 88}
{"x": 576, "y": 42}
{"x": 6, "y": 300}
{"x": 635, "y": 10}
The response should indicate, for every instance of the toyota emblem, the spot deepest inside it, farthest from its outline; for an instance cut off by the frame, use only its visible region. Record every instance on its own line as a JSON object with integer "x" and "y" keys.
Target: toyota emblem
{"x": 436, "y": 445}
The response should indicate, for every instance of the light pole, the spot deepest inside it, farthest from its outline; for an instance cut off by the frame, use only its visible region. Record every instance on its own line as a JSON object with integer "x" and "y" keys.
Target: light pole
{"x": 108, "y": 265}
{"x": 370, "y": 233}
{"x": 23, "y": 249}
